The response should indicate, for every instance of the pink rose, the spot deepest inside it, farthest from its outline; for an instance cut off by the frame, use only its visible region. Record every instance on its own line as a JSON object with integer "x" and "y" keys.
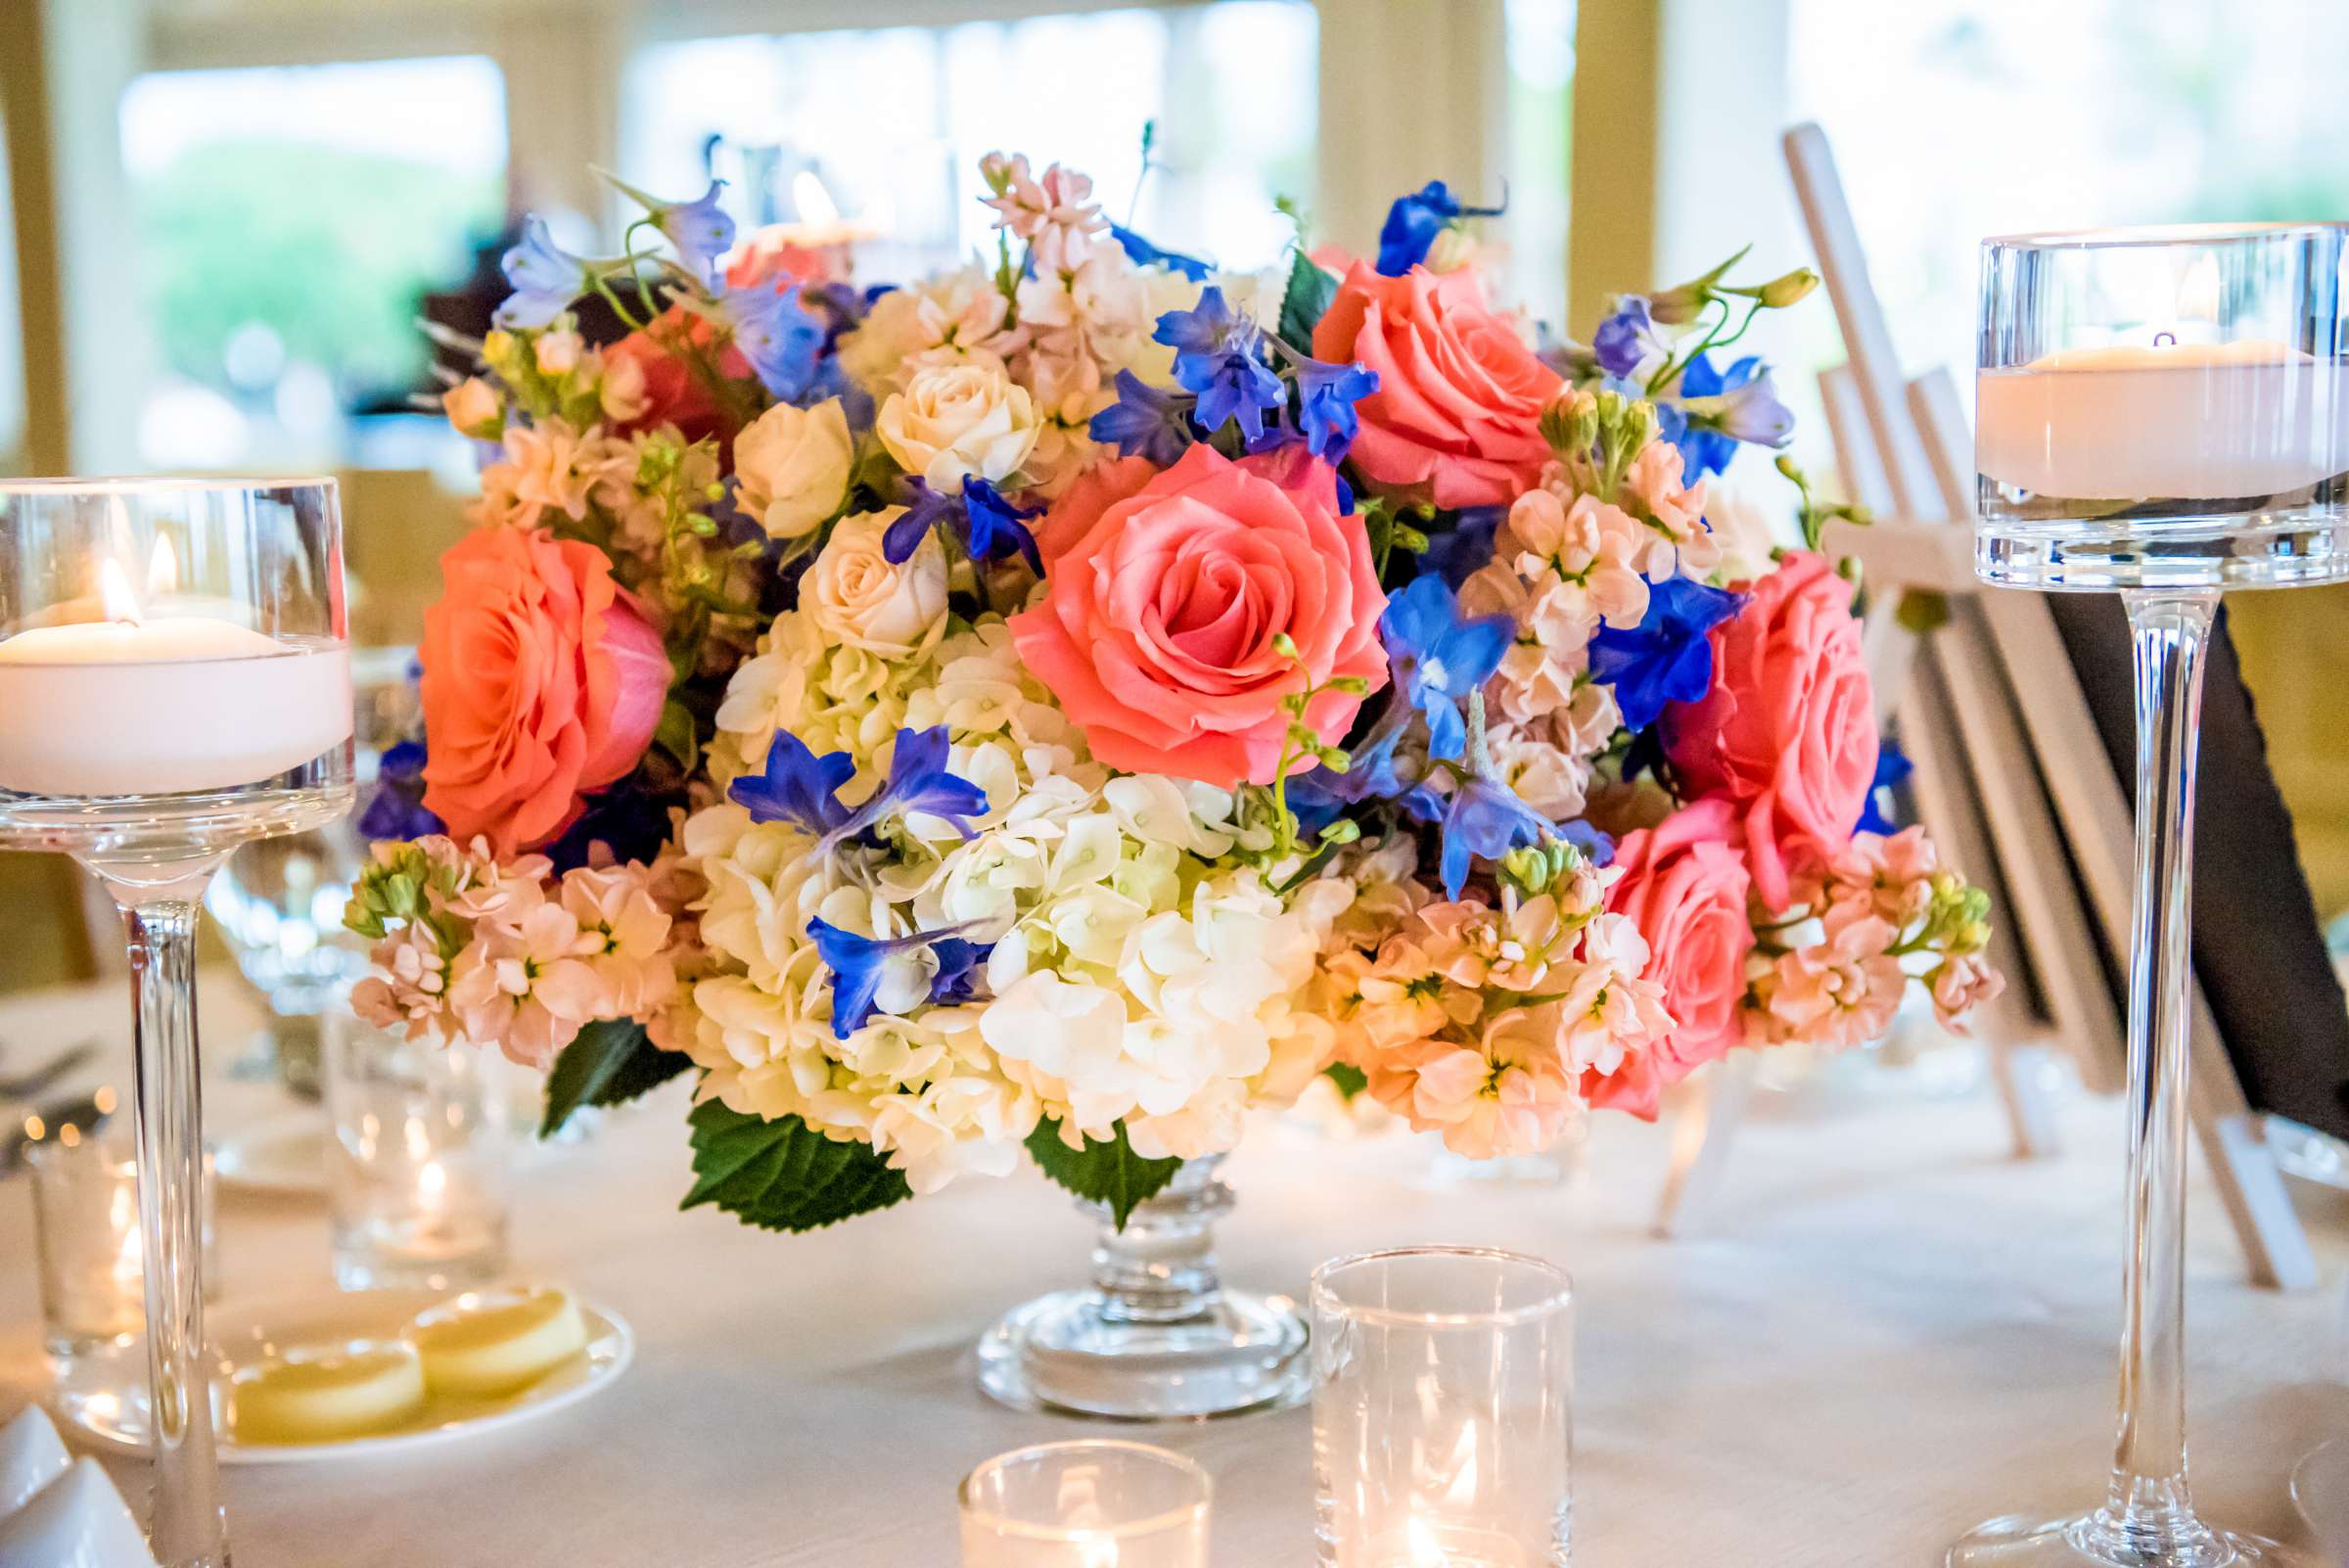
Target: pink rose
{"x": 1459, "y": 394}
{"x": 1788, "y": 731}
{"x": 1081, "y": 506}
{"x": 663, "y": 354}
{"x": 542, "y": 679}
{"x": 1158, "y": 624}
{"x": 1685, "y": 884}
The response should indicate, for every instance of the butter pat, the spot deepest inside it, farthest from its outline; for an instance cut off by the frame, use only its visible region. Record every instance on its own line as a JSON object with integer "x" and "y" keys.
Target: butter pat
{"x": 484, "y": 1345}
{"x": 323, "y": 1396}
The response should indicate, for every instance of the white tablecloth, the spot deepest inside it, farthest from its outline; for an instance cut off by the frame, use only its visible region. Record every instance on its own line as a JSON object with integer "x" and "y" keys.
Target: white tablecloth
{"x": 1890, "y": 1331}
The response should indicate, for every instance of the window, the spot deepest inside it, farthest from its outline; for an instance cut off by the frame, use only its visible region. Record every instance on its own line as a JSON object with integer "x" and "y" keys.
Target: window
{"x": 893, "y": 121}
{"x": 289, "y": 220}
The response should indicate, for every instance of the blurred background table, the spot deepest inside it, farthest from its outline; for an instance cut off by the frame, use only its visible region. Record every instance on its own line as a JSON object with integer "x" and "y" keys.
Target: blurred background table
{"x": 1888, "y": 1327}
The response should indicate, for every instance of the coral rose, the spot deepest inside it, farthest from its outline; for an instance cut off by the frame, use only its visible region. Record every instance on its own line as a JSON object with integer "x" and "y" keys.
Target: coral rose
{"x": 1081, "y": 506}
{"x": 1460, "y": 396}
{"x": 1788, "y": 730}
{"x": 660, "y": 355}
{"x": 1685, "y": 884}
{"x": 1158, "y": 626}
{"x": 542, "y": 679}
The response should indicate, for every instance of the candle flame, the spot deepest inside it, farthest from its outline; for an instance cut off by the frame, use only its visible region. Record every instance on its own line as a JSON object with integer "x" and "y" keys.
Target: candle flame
{"x": 1100, "y": 1552}
{"x": 1426, "y": 1550}
{"x": 113, "y": 592}
{"x": 813, "y": 203}
{"x": 162, "y": 570}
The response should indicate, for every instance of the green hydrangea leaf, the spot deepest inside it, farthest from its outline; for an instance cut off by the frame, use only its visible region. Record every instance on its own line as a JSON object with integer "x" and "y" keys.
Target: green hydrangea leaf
{"x": 784, "y": 1175}
{"x": 1305, "y": 300}
{"x": 606, "y": 1064}
{"x": 1109, "y": 1174}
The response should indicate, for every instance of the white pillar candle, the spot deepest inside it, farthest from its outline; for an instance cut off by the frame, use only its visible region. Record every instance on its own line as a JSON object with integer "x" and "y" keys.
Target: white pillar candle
{"x": 2165, "y": 421}
{"x": 130, "y": 707}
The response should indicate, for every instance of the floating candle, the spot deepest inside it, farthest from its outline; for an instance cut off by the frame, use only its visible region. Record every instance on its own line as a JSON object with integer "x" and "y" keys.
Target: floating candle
{"x": 137, "y": 705}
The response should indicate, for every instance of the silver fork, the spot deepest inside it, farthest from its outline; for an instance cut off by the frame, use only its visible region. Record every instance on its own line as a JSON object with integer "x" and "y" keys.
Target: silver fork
{"x": 38, "y": 1081}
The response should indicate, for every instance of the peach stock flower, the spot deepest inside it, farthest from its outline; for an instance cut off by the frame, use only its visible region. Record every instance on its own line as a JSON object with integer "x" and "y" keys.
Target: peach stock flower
{"x": 1158, "y": 627}
{"x": 1788, "y": 730}
{"x": 542, "y": 680}
{"x": 1459, "y": 394}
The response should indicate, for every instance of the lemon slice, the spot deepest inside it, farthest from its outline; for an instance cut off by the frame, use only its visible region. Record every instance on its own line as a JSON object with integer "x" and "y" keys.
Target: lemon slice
{"x": 484, "y": 1345}
{"x": 322, "y": 1396}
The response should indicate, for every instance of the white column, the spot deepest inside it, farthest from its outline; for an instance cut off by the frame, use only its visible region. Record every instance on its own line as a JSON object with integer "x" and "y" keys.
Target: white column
{"x": 1411, "y": 91}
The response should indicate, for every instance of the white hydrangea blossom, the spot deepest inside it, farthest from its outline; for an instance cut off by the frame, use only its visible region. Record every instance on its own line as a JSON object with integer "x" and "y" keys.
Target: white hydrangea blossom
{"x": 1135, "y": 975}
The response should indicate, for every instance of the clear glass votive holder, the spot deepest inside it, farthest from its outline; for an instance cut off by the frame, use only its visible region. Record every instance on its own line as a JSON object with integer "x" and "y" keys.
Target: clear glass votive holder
{"x": 1085, "y": 1504}
{"x": 87, "y": 1241}
{"x": 416, "y": 1161}
{"x": 1442, "y": 1410}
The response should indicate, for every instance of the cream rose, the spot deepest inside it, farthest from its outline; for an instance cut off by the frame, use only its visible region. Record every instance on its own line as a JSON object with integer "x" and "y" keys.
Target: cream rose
{"x": 473, "y": 408}
{"x": 955, "y": 421}
{"x": 793, "y": 465}
{"x": 856, "y": 595}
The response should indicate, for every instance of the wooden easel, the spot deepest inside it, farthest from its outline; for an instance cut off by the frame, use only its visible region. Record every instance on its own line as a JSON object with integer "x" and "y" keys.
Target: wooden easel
{"x": 2042, "y": 822}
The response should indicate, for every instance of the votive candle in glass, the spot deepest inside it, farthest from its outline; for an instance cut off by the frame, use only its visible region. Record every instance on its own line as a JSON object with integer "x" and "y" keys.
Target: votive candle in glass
{"x": 1085, "y": 1504}
{"x": 1442, "y": 1410}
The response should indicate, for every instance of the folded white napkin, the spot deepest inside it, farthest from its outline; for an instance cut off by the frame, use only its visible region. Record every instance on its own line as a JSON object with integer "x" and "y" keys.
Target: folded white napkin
{"x": 59, "y": 1514}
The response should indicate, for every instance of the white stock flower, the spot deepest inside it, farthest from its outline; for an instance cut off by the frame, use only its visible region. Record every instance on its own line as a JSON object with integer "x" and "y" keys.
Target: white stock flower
{"x": 954, "y": 422}
{"x": 792, "y": 466}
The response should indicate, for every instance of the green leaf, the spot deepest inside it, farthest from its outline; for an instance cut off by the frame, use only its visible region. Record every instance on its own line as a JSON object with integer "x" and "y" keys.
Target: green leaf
{"x": 1109, "y": 1174}
{"x": 678, "y": 735}
{"x": 1350, "y": 1079}
{"x": 784, "y": 1175}
{"x": 1305, "y": 300}
{"x": 1921, "y": 611}
{"x": 606, "y": 1064}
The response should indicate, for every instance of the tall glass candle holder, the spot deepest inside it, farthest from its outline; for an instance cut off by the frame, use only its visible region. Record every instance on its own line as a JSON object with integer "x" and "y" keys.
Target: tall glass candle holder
{"x": 1442, "y": 1410}
{"x": 1090, "y": 1504}
{"x": 174, "y": 682}
{"x": 2163, "y": 413}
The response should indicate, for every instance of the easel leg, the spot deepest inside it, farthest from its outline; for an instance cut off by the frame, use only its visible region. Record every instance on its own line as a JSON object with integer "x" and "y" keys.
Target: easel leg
{"x": 1701, "y": 1135}
{"x": 2251, "y": 1185}
{"x": 2024, "y": 1073}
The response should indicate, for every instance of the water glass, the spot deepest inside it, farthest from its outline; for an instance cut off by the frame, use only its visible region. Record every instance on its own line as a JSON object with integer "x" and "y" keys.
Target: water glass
{"x": 1442, "y": 1410}
{"x": 1085, "y": 1504}
{"x": 85, "y": 1211}
{"x": 416, "y": 1163}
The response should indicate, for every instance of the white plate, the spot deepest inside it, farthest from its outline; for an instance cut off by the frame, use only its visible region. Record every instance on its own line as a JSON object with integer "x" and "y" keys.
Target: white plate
{"x": 611, "y": 1347}
{"x": 2321, "y": 1490}
{"x": 283, "y": 1154}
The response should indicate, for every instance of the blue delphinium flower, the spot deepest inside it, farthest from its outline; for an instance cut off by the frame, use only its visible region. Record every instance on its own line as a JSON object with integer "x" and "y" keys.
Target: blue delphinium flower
{"x": 996, "y": 527}
{"x": 1439, "y": 659}
{"x": 546, "y": 278}
{"x": 918, "y": 781}
{"x": 1371, "y": 773}
{"x": 1486, "y": 821}
{"x": 626, "y": 819}
{"x": 926, "y": 511}
{"x": 396, "y": 811}
{"x": 1216, "y": 361}
{"x": 1414, "y": 223}
{"x": 1891, "y": 767}
{"x": 1456, "y": 552}
{"x": 1325, "y": 399}
{"x": 1667, "y": 656}
{"x": 858, "y": 966}
{"x": 1141, "y": 252}
{"x": 700, "y": 230}
{"x": 797, "y": 786}
{"x": 1625, "y": 337}
{"x": 780, "y": 338}
{"x": 1144, "y": 422}
{"x": 1719, "y": 408}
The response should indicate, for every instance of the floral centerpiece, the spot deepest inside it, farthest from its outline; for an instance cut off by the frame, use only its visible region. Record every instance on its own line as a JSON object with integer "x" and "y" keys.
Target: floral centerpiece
{"x": 1067, "y": 703}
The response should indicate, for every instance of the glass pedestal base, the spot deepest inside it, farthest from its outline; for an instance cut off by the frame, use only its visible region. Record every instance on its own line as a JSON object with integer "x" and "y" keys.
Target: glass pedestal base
{"x": 1065, "y": 1352}
{"x": 2098, "y": 1541}
{"x": 1156, "y": 1337}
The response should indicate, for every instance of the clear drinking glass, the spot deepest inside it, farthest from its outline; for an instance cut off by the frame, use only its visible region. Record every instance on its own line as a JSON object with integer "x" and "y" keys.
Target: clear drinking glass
{"x": 85, "y": 1235}
{"x": 2164, "y": 413}
{"x": 174, "y": 682}
{"x": 1442, "y": 1410}
{"x": 1089, "y": 1504}
{"x": 416, "y": 1161}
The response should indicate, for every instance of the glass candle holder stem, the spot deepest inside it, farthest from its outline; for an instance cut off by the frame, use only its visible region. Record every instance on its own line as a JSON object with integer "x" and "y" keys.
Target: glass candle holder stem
{"x": 2150, "y": 1503}
{"x": 189, "y": 1526}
